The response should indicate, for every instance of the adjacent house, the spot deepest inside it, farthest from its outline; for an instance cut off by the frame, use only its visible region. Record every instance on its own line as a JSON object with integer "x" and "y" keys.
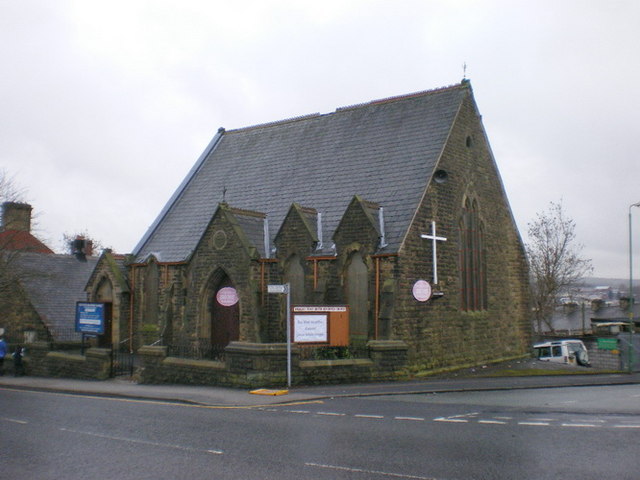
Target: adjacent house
{"x": 38, "y": 289}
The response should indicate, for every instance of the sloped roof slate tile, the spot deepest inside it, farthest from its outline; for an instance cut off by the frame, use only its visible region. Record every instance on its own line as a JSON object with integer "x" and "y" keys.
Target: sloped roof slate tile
{"x": 384, "y": 151}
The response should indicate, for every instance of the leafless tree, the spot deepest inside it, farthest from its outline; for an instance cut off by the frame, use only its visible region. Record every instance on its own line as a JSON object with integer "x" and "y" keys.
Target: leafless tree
{"x": 96, "y": 245}
{"x": 9, "y": 192}
{"x": 555, "y": 260}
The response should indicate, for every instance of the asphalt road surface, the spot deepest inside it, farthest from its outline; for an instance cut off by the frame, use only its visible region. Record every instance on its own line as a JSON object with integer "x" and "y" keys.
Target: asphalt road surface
{"x": 585, "y": 433}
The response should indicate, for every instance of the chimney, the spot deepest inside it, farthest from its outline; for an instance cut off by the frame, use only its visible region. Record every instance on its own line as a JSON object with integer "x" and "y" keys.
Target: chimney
{"x": 16, "y": 216}
{"x": 81, "y": 248}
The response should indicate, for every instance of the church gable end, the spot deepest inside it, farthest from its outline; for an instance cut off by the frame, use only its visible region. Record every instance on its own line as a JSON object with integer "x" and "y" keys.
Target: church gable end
{"x": 481, "y": 268}
{"x": 359, "y": 226}
{"x": 297, "y": 233}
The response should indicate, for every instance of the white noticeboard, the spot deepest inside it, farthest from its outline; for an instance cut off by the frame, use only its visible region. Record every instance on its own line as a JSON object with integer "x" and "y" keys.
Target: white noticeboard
{"x": 310, "y": 328}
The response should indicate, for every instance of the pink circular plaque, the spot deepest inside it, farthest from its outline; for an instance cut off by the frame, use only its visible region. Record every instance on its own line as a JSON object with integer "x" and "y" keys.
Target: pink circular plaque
{"x": 422, "y": 290}
{"x": 227, "y": 296}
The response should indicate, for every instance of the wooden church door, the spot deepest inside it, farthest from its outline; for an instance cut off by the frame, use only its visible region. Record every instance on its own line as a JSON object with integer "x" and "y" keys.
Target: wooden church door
{"x": 225, "y": 315}
{"x": 358, "y": 298}
{"x": 104, "y": 294}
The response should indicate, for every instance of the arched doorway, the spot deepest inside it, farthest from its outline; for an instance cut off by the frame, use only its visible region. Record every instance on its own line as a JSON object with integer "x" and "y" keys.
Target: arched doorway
{"x": 224, "y": 314}
{"x": 104, "y": 294}
{"x": 357, "y": 286}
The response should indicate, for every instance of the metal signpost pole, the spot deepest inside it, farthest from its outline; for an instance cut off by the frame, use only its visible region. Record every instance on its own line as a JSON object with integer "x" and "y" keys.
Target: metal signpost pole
{"x": 279, "y": 289}
{"x": 631, "y": 290}
{"x": 287, "y": 293}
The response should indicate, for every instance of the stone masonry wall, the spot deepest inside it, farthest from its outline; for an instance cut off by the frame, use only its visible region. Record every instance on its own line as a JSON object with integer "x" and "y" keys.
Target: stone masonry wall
{"x": 438, "y": 332}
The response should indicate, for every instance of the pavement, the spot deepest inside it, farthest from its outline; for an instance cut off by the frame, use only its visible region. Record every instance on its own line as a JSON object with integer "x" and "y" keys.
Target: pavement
{"x": 534, "y": 374}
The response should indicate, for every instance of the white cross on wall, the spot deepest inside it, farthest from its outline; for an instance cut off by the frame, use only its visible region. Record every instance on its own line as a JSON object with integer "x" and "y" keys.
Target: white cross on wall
{"x": 434, "y": 238}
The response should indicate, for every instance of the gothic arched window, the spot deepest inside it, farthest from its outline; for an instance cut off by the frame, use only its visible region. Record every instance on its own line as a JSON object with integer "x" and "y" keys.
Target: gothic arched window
{"x": 358, "y": 296}
{"x": 151, "y": 287}
{"x": 294, "y": 275}
{"x": 473, "y": 275}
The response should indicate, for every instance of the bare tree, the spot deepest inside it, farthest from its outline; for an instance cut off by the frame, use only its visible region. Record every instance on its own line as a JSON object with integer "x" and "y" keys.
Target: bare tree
{"x": 92, "y": 245}
{"x": 9, "y": 192}
{"x": 555, "y": 260}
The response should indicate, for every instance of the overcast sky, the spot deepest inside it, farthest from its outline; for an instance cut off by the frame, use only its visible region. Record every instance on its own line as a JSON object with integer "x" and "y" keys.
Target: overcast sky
{"x": 105, "y": 106}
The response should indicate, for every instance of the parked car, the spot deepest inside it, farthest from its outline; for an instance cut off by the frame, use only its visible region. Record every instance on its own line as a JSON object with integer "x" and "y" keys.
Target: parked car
{"x": 562, "y": 351}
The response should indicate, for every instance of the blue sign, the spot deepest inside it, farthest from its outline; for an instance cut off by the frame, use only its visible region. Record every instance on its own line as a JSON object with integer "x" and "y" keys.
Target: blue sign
{"x": 90, "y": 318}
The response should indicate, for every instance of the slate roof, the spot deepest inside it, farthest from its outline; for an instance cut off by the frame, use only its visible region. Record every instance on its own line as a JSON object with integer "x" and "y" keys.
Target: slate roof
{"x": 384, "y": 151}
{"x": 54, "y": 283}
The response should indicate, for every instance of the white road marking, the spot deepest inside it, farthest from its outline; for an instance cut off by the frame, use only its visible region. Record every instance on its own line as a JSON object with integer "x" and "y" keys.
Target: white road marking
{"x": 471, "y": 417}
{"x": 13, "y": 420}
{"x": 142, "y": 442}
{"x": 369, "y": 472}
{"x": 580, "y": 425}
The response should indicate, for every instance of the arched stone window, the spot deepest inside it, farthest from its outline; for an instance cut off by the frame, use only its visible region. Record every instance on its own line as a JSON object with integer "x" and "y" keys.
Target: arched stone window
{"x": 151, "y": 286}
{"x": 357, "y": 286}
{"x": 294, "y": 275}
{"x": 473, "y": 276}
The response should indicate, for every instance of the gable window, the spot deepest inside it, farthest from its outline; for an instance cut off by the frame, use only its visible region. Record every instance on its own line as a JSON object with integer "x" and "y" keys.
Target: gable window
{"x": 473, "y": 291}
{"x": 294, "y": 275}
{"x": 151, "y": 286}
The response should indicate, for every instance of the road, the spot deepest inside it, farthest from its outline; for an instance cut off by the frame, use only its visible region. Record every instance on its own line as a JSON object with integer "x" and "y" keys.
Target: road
{"x": 586, "y": 433}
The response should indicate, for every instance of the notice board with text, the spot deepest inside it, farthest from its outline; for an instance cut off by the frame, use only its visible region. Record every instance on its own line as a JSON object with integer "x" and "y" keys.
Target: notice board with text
{"x": 320, "y": 324}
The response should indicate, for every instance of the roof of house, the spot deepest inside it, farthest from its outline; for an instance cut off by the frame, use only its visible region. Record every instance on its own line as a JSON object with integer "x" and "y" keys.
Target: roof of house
{"x": 23, "y": 241}
{"x": 54, "y": 283}
{"x": 384, "y": 151}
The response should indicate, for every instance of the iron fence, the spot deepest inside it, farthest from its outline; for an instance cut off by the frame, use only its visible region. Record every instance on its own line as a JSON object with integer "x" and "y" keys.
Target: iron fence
{"x": 315, "y": 352}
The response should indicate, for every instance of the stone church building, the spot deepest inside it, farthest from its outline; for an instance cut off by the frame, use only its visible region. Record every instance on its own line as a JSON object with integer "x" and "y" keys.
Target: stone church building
{"x": 393, "y": 208}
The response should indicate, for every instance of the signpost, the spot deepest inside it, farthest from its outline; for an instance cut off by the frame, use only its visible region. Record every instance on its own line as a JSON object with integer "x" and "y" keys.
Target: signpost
{"x": 284, "y": 289}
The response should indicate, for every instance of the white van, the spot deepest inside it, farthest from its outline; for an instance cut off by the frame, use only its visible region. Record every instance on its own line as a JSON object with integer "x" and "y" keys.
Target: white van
{"x": 562, "y": 351}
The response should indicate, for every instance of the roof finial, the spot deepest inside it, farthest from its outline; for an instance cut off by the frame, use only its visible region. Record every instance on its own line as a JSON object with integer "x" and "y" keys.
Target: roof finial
{"x": 224, "y": 194}
{"x": 464, "y": 71}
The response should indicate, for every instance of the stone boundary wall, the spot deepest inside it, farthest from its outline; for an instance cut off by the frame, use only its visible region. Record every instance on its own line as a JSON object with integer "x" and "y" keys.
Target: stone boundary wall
{"x": 251, "y": 365}
{"x": 95, "y": 364}
{"x": 246, "y": 365}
